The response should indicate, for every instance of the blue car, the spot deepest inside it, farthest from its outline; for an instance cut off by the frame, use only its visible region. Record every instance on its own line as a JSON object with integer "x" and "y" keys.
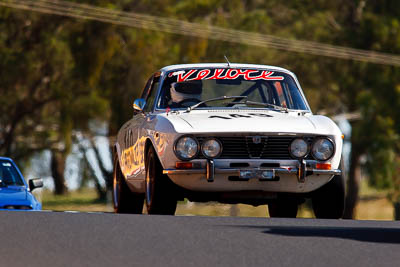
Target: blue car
{"x": 15, "y": 193}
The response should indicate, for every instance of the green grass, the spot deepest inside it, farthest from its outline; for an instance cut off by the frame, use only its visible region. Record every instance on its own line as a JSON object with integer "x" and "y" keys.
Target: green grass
{"x": 366, "y": 191}
{"x": 216, "y": 209}
{"x": 80, "y": 200}
{"x": 373, "y": 205}
{"x": 86, "y": 200}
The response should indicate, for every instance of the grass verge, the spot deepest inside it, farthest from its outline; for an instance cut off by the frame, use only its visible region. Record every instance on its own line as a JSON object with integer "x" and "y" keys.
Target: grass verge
{"x": 373, "y": 205}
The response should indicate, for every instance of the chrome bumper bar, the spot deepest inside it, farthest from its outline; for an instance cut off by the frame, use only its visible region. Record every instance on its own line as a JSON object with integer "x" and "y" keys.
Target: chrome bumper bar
{"x": 233, "y": 171}
{"x": 263, "y": 174}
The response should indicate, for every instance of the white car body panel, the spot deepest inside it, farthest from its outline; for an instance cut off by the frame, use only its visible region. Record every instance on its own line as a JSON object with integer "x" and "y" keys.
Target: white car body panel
{"x": 162, "y": 128}
{"x": 253, "y": 121}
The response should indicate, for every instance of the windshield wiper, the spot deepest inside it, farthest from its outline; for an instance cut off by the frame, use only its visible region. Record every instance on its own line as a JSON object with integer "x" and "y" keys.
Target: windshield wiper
{"x": 265, "y": 105}
{"x": 216, "y": 99}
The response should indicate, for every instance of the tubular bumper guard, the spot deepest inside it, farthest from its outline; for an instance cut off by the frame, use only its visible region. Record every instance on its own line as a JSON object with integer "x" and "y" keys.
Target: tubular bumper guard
{"x": 263, "y": 174}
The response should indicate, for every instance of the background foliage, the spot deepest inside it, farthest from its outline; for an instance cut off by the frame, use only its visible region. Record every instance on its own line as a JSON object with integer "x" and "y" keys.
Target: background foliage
{"x": 59, "y": 76}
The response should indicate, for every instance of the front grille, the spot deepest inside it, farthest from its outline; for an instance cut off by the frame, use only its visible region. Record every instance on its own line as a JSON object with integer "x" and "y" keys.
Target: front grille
{"x": 255, "y": 147}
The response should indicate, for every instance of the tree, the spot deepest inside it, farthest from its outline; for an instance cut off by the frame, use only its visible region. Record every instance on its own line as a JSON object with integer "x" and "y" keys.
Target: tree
{"x": 59, "y": 74}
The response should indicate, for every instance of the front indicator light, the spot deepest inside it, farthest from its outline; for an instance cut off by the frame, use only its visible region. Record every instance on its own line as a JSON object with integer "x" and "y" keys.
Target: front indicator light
{"x": 323, "y": 166}
{"x": 184, "y": 165}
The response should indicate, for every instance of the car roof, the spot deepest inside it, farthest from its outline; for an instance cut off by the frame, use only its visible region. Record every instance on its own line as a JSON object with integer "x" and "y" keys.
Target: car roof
{"x": 224, "y": 65}
{"x": 5, "y": 158}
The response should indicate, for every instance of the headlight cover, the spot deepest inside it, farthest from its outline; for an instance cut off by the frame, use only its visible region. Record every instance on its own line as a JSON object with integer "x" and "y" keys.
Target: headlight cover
{"x": 186, "y": 148}
{"x": 323, "y": 149}
{"x": 298, "y": 148}
{"x": 211, "y": 148}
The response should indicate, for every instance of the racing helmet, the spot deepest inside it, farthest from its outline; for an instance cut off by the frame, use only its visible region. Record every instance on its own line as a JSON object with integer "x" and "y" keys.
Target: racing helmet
{"x": 185, "y": 90}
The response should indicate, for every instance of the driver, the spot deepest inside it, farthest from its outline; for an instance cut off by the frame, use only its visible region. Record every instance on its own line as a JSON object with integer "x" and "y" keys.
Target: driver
{"x": 185, "y": 94}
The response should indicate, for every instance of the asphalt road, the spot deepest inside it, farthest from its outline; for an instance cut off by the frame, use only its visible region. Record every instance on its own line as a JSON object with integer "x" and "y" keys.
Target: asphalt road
{"x": 84, "y": 239}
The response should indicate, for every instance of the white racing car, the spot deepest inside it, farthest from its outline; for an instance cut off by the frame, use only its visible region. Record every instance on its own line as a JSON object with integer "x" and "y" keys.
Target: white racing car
{"x": 232, "y": 133}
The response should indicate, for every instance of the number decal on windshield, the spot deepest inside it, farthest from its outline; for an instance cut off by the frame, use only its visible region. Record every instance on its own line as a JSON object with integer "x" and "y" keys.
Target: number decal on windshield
{"x": 230, "y": 74}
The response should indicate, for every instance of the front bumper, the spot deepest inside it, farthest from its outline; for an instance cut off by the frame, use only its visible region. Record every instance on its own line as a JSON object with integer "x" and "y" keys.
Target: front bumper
{"x": 301, "y": 178}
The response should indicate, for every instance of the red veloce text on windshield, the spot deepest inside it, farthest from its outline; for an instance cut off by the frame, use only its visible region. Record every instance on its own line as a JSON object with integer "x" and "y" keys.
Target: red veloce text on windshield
{"x": 218, "y": 74}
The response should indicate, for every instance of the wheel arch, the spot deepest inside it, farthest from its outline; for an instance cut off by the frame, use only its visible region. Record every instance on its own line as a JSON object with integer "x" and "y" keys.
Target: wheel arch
{"x": 149, "y": 144}
{"x": 116, "y": 158}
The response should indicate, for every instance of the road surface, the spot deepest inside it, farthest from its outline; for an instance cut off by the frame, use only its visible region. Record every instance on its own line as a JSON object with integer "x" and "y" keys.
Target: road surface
{"x": 86, "y": 239}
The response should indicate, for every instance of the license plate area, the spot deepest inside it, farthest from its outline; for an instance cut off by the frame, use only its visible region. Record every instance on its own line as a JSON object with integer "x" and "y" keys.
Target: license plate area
{"x": 262, "y": 175}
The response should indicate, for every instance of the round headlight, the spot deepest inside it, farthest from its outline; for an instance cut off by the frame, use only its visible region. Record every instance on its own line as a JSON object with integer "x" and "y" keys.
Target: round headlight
{"x": 186, "y": 148}
{"x": 211, "y": 148}
{"x": 322, "y": 149}
{"x": 298, "y": 148}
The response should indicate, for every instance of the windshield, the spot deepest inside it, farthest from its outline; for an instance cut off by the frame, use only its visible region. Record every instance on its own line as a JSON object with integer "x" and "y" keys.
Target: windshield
{"x": 9, "y": 175}
{"x": 185, "y": 88}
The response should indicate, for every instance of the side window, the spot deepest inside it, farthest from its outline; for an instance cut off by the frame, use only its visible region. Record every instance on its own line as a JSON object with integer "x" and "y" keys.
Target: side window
{"x": 288, "y": 95}
{"x": 146, "y": 88}
{"x": 281, "y": 94}
{"x": 151, "y": 96}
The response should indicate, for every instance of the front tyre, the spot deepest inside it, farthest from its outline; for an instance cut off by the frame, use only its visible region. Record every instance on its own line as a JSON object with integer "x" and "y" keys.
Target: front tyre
{"x": 328, "y": 201}
{"x": 283, "y": 209}
{"x": 124, "y": 200}
{"x": 160, "y": 191}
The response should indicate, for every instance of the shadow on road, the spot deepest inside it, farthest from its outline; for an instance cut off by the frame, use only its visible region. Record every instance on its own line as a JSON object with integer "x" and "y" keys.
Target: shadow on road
{"x": 364, "y": 234}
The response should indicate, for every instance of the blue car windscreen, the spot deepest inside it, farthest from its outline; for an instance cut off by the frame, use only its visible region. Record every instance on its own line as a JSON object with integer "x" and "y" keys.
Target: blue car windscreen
{"x": 9, "y": 175}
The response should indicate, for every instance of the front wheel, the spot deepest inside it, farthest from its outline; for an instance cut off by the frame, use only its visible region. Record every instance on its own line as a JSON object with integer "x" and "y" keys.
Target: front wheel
{"x": 328, "y": 201}
{"x": 124, "y": 200}
{"x": 283, "y": 209}
{"x": 160, "y": 191}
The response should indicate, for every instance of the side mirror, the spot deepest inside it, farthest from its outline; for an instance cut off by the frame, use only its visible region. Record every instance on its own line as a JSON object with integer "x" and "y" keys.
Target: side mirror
{"x": 35, "y": 183}
{"x": 139, "y": 104}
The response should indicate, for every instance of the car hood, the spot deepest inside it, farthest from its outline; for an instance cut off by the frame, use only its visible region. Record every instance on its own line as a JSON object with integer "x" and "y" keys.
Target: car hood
{"x": 13, "y": 195}
{"x": 257, "y": 121}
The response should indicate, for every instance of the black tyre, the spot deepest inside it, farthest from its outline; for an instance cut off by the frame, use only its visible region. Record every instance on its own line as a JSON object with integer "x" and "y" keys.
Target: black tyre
{"x": 124, "y": 200}
{"x": 283, "y": 209}
{"x": 328, "y": 201}
{"x": 160, "y": 191}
